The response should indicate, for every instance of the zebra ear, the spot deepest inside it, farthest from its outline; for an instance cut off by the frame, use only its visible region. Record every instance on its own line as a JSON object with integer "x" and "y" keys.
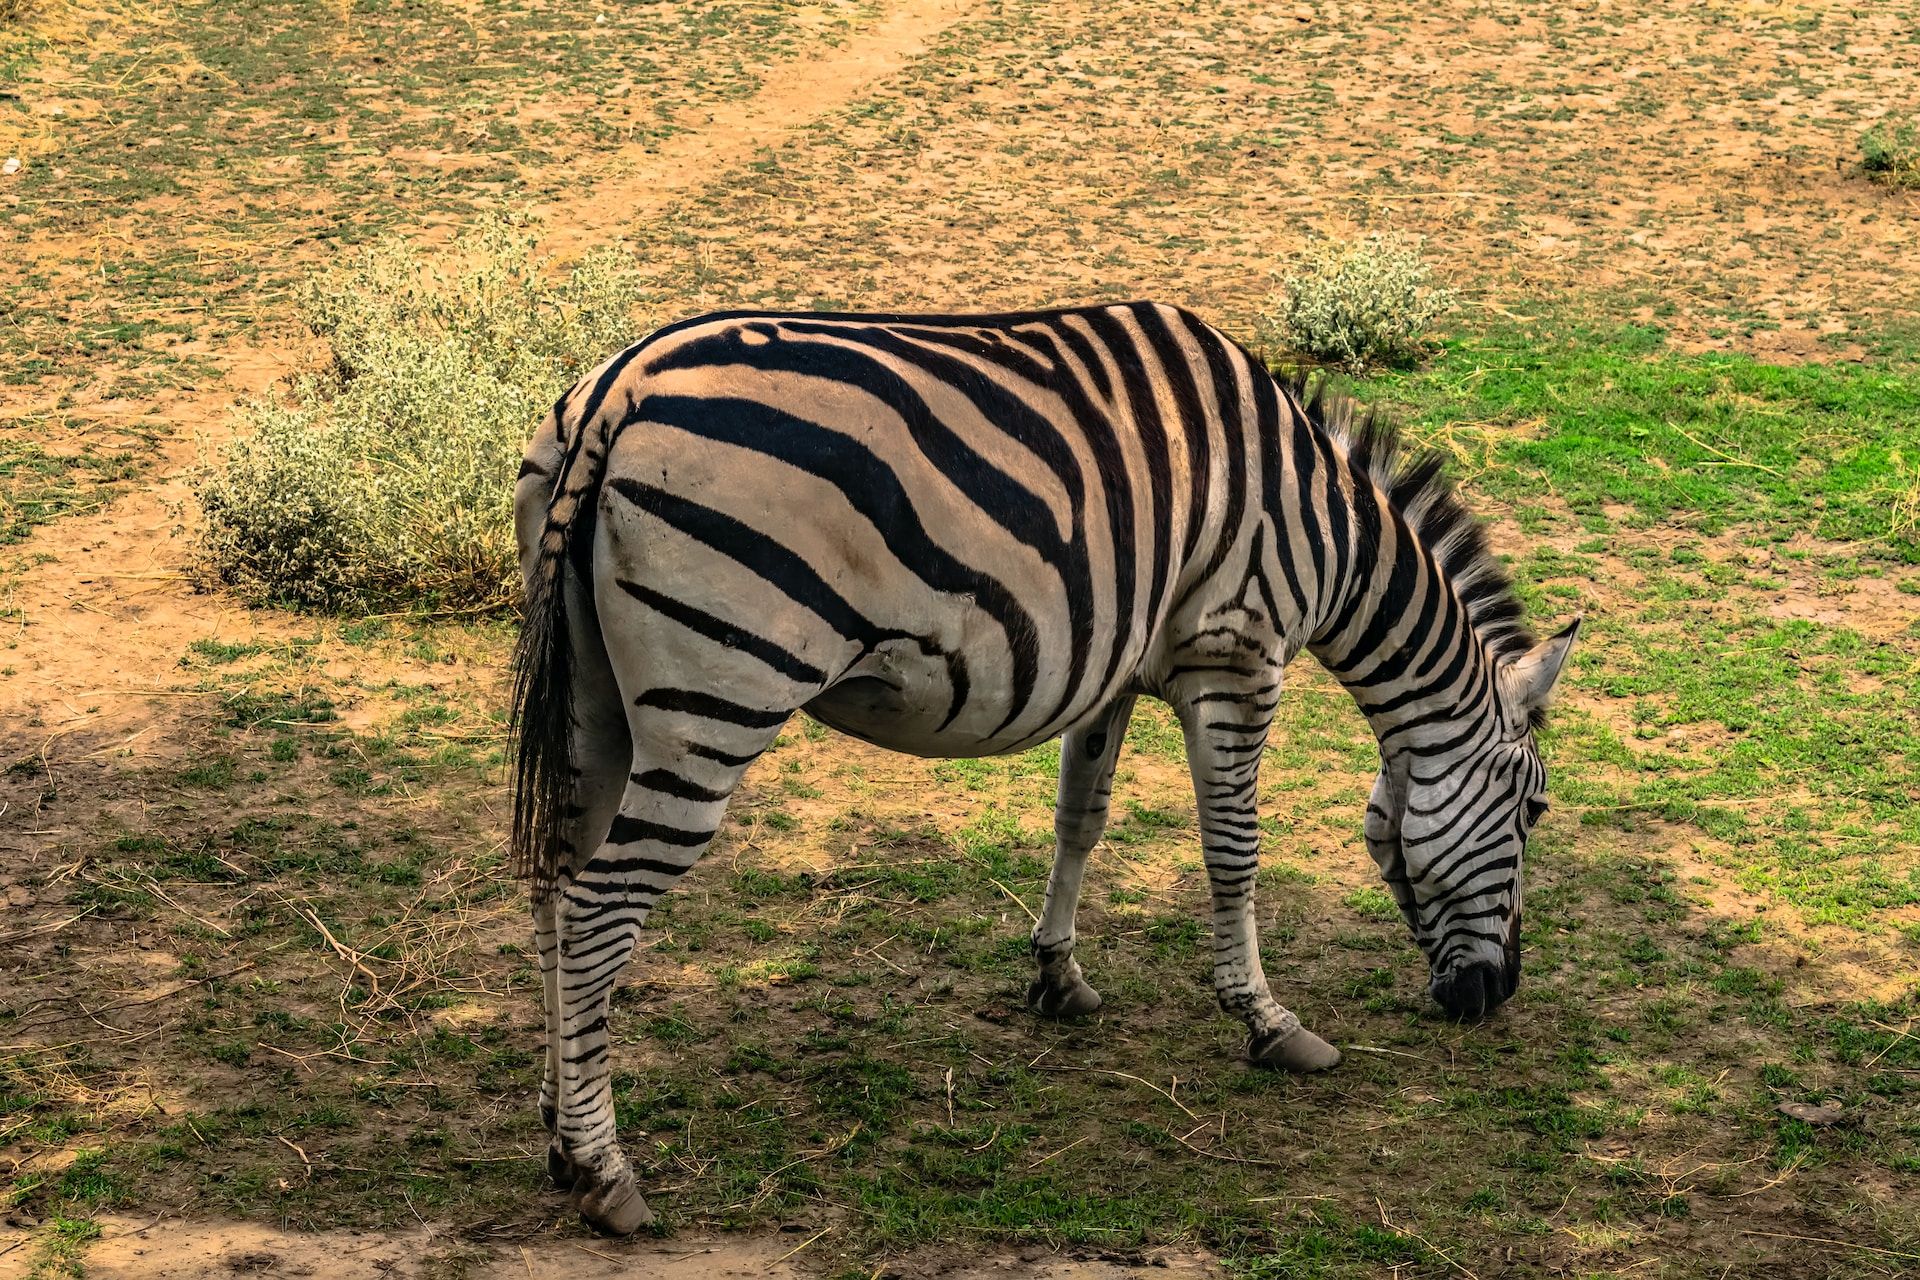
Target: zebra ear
{"x": 1530, "y": 678}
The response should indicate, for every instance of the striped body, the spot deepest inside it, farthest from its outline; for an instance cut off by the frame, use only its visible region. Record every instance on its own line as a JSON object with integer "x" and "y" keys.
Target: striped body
{"x": 1097, "y": 480}
{"x": 962, "y": 536}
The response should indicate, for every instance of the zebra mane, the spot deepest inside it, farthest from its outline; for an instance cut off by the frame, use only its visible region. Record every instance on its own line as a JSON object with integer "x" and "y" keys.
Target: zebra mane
{"x": 1415, "y": 481}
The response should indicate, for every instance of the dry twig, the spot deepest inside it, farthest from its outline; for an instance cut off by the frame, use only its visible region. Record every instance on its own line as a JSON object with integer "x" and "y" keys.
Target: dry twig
{"x": 1399, "y": 1230}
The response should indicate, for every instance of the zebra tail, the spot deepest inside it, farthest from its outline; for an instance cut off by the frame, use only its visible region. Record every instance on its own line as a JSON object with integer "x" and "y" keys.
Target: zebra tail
{"x": 542, "y": 722}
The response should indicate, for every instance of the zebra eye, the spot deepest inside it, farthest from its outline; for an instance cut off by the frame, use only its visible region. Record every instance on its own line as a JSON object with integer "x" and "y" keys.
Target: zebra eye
{"x": 1536, "y": 810}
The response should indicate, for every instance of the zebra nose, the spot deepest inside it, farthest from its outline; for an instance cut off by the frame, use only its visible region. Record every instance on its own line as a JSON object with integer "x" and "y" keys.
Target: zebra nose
{"x": 1472, "y": 991}
{"x": 1511, "y": 976}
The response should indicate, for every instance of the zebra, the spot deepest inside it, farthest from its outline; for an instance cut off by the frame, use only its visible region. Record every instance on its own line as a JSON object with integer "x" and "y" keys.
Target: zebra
{"x": 965, "y": 535}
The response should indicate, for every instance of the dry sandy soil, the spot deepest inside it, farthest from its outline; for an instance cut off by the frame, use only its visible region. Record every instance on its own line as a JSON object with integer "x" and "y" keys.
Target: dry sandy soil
{"x": 133, "y": 1250}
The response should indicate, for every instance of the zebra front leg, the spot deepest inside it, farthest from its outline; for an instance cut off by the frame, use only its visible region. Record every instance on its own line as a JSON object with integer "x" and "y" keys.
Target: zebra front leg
{"x": 1087, "y": 757}
{"x": 1226, "y": 733}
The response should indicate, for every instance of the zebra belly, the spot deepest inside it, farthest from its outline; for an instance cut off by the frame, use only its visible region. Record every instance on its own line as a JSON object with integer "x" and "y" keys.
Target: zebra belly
{"x": 903, "y": 699}
{"x": 864, "y": 708}
{"x": 869, "y": 709}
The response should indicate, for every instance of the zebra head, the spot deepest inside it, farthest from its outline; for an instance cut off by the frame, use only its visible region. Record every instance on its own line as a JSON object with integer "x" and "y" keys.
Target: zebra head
{"x": 1449, "y": 832}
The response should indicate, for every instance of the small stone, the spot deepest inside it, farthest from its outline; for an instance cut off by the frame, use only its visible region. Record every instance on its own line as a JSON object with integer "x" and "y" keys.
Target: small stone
{"x": 11, "y": 167}
{"x": 1822, "y": 1113}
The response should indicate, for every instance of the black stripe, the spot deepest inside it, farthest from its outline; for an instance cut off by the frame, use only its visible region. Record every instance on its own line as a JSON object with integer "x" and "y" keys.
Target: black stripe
{"x": 1143, "y": 409}
{"x": 1257, "y": 568}
{"x": 694, "y": 703}
{"x": 1339, "y": 518}
{"x": 726, "y": 634}
{"x": 1303, "y": 453}
{"x": 999, "y": 495}
{"x": 1391, "y": 666}
{"x": 871, "y": 488}
{"x": 1186, "y": 399}
{"x": 629, "y": 830}
{"x": 718, "y": 756}
{"x": 1311, "y": 529}
{"x": 746, "y": 546}
{"x": 627, "y": 866}
{"x": 1424, "y": 682}
{"x": 1013, "y": 506}
{"x": 667, "y": 782}
{"x": 1366, "y": 511}
{"x": 787, "y": 573}
{"x": 1223, "y": 359}
{"x": 1097, "y": 428}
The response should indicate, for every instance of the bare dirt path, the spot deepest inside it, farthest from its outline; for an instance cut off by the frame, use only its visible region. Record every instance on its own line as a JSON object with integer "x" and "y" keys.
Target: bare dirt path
{"x": 130, "y": 1249}
{"x": 106, "y": 600}
{"x": 135, "y": 1249}
{"x": 641, "y": 180}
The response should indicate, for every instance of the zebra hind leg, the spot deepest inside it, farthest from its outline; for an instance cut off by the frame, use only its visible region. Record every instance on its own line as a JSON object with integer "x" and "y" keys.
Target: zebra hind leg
{"x": 595, "y": 941}
{"x": 601, "y": 750}
{"x": 674, "y": 799}
{"x": 1087, "y": 758}
{"x": 546, "y": 940}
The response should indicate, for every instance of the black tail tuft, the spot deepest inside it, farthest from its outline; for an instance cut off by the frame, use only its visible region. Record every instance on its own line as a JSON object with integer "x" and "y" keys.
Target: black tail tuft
{"x": 543, "y": 721}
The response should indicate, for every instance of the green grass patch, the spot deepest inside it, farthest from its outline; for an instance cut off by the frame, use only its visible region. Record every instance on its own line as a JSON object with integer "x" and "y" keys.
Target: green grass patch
{"x": 37, "y": 486}
{"x": 1595, "y": 418}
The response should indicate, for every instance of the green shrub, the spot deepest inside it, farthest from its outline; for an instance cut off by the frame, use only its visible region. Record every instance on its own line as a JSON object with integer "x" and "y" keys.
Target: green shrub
{"x": 386, "y": 478}
{"x": 1358, "y": 303}
{"x": 1890, "y": 153}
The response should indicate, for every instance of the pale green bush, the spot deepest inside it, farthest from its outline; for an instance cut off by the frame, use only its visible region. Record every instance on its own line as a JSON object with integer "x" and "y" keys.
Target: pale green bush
{"x": 1890, "y": 152}
{"x": 1358, "y": 303}
{"x": 386, "y": 478}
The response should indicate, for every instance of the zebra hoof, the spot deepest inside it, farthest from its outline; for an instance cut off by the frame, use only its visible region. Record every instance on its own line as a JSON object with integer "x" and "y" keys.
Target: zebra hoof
{"x": 560, "y": 1167}
{"x": 614, "y": 1208}
{"x": 1298, "y": 1050}
{"x": 1074, "y": 999}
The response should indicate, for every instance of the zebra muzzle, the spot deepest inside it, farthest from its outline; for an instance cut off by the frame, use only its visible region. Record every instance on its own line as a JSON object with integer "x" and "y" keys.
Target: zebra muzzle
{"x": 1472, "y": 991}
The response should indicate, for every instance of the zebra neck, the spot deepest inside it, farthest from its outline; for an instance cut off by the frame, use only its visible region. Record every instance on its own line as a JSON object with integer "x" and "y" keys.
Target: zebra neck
{"x": 1400, "y": 638}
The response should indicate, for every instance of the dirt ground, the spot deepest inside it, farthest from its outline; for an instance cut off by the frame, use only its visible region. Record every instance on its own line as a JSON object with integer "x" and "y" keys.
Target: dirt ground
{"x": 1679, "y": 161}
{"x": 133, "y": 1250}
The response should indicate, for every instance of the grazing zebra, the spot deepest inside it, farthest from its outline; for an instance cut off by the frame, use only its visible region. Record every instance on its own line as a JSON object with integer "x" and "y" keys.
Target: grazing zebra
{"x": 963, "y": 536}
